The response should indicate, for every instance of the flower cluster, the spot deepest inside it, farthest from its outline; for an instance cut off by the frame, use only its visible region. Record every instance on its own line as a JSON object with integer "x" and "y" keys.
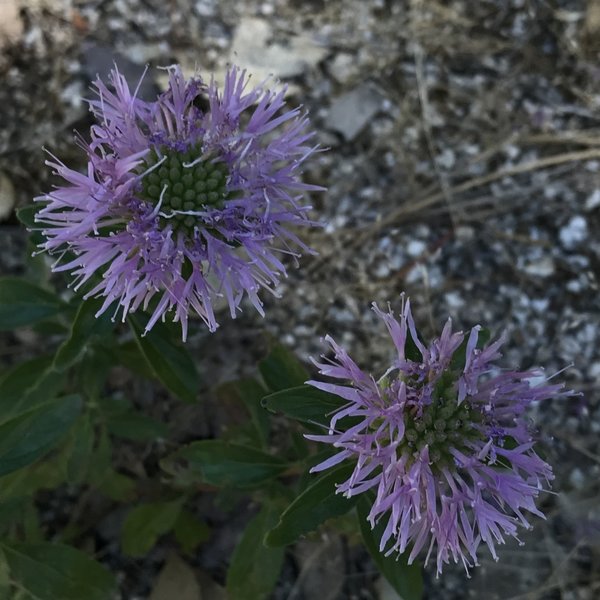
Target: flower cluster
{"x": 182, "y": 203}
{"x": 441, "y": 440}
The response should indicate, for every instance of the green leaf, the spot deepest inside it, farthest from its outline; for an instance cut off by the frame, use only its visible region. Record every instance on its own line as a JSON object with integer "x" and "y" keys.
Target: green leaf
{"x": 104, "y": 478}
{"x": 82, "y": 447}
{"x": 92, "y": 372}
{"x": 282, "y": 370}
{"x": 116, "y": 486}
{"x": 189, "y": 531}
{"x": 86, "y": 327}
{"x": 115, "y": 405}
{"x": 130, "y": 356}
{"x": 411, "y": 350}
{"x": 137, "y": 427}
{"x": 29, "y": 436}
{"x": 26, "y": 215}
{"x": 49, "y": 571}
{"x": 406, "y": 579}
{"x": 254, "y": 568}
{"x": 32, "y": 530}
{"x": 250, "y": 392}
{"x": 459, "y": 357}
{"x": 317, "y": 503}
{"x": 27, "y": 385}
{"x": 171, "y": 363}
{"x": 145, "y": 524}
{"x": 222, "y": 464}
{"x": 43, "y": 474}
{"x": 101, "y": 458}
{"x": 23, "y": 303}
{"x": 304, "y": 403}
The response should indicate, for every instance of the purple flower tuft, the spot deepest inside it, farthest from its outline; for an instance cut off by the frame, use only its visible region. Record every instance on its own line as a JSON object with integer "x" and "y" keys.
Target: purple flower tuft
{"x": 181, "y": 205}
{"x": 442, "y": 441}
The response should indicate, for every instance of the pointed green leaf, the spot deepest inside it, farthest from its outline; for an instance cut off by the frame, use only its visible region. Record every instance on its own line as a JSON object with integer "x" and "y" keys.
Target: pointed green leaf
{"x": 81, "y": 449}
{"x": 406, "y": 579}
{"x": 223, "y": 464}
{"x": 44, "y": 474}
{"x": 138, "y": 427}
{"x": 250, "y": 392}
{"x": 29, "y": 436}
{"x": 27, "y": 385}
{"x": 49, "y": 571}
{"x": 85, "y": 329}
{"x": 255, "y": 568}
{"x": 189, "y": 531}
{"x": 130, "y": 356}
{"x": 317, "y": 503}
{"x": 116, "y": 486}
{"x": 281, "y": 369}
{"x": 169, "y": 361}
{"x": 23, "y": 303}
{"x": 145, "y": 524}
{"x": 304, "y": 403}
{"x": 26, "y": 214}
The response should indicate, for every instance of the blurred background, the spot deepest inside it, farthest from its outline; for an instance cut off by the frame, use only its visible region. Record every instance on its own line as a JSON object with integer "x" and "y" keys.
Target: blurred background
{"x": 462, "y": 166}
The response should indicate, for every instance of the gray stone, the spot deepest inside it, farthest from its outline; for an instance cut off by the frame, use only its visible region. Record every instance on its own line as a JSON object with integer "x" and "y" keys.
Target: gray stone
{"x": 343, "y": 67}
{"x": 593, "y": 200}
{"x": 251, "y": 49}
{"x": 544, "y": 267}
{"x": 350, "y": 113}
{"x": 574, "y": 232}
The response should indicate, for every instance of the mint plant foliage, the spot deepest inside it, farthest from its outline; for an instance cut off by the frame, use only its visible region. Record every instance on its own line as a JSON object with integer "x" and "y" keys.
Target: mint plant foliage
{"x": 184, "y": 205}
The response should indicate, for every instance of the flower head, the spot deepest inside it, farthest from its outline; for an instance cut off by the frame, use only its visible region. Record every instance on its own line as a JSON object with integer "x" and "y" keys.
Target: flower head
{"x": 442, "y": 441}
{"x": 182, "y": 204}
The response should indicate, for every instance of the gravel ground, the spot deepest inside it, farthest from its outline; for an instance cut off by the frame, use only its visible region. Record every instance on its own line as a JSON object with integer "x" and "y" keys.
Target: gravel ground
{"x": 463, "y": 167}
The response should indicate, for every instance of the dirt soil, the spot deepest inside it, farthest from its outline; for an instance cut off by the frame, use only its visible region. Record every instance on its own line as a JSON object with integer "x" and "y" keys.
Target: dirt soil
{"x": 463, "y": 167}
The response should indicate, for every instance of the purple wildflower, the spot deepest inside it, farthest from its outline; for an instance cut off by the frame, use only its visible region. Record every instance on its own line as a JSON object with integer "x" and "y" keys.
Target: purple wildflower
{"x": 180, "y": 205}
{"x": 442, "y": 439}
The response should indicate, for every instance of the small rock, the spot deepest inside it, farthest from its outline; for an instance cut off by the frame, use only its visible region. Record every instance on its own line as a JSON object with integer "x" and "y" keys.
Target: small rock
{"x": 416, "y": 248}
{"x": 350, "y": 113}
{"x": 593, "y": 201}
{"x": 205, "y": 8}
{"x": 321, "y": 567}
{"x": 99, "y": 60}
{"x": 577, "y": 478}
{"x": 454, "y": 300}
{"x": 11, "y": 25}
{"x": 416, "y": 274}
{"x": 250, "y": 48}
{"x": 382, "y": 270}
{"x": 544, "y": 267}
{"x": 343, "y": 67}
{"x": 594, "y": 370}
{"x": 576, "y": 286}
{"x": 540, "y": 305}
{"x": 267, "y": 9}
{"x": 7, "y": 196}
{"x": 176, "y": 579}
{"x": 446, "y": 159}
{"x": 574, "y": 232}
{"x": 464, "y": 233}
{"x": 144, "y": 53}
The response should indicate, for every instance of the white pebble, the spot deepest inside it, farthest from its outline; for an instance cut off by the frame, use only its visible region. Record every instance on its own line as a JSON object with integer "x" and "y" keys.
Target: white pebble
{"x": 416, "y": 248}
{"x": 593, "y": 201}
{"x": 574, "y": 232}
